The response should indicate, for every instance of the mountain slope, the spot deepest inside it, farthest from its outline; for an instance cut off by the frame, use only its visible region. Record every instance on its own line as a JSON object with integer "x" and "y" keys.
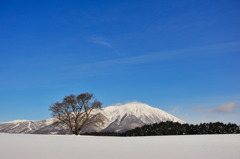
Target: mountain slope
{"x": 117, "y": 119}
{"x": 132, "y": 115}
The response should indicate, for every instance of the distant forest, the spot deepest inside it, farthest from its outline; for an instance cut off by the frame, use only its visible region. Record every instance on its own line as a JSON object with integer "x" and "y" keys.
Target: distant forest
{"x": 175, "y": 128}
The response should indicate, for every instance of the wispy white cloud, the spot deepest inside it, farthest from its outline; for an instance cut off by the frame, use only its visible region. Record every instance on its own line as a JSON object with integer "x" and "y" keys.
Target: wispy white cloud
{"x": 175, "y": 110}
{"x": 104, "y": 43}
{"x": 230, "y": 107}
{"x": 101, "y": 41}
{"x": 181, "y": 53}
{"x": 158, "y": 56}
{"x": 196, "y": 108}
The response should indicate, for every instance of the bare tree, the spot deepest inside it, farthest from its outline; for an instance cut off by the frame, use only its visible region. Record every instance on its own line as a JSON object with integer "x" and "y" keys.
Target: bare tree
{"x": 77, "y": 111}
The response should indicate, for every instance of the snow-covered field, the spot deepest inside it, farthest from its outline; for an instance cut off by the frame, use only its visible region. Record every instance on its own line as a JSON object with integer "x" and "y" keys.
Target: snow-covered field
{"x": 22, "y": 146}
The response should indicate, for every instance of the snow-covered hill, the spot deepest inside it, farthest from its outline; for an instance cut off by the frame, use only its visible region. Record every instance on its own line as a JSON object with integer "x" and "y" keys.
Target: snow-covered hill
{"x": 132, "y": 115}
{"x": 117, "y": 119}
{"x": 29, "y": 146}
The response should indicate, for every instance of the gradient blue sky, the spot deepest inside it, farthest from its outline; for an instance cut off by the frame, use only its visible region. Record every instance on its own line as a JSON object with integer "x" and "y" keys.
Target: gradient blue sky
{"x": 180, "y": 56}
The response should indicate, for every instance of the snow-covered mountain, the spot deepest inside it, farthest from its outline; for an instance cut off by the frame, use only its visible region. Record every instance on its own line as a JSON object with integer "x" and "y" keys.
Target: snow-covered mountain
{"x": 117, "y": 119}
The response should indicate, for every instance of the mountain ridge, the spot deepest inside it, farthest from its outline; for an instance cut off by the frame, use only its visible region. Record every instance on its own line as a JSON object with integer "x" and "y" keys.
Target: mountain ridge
{"x": 117, "y": 119}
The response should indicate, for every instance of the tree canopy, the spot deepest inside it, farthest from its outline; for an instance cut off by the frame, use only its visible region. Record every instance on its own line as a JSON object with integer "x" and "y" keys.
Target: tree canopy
{"x": 77, "y": 111}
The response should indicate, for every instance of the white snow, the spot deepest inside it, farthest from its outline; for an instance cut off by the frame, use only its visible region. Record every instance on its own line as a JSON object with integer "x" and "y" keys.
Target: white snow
{"x": 115, "y": 118}
{"x": 15, "y": 126}
{"x": 17, "y": 121}
{"x": 23, "y": 146}
{"x": 139, "y": 110}
{"x": 50, "y": 121}
{"x": 29, "y": 126}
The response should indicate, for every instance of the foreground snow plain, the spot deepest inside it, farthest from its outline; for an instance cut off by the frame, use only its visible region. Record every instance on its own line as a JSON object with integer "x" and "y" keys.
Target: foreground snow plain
{"x": 25, "y": 146}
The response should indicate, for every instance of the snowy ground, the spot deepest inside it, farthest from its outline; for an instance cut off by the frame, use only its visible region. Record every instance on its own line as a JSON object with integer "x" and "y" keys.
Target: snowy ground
{"x": 22, "y": 146}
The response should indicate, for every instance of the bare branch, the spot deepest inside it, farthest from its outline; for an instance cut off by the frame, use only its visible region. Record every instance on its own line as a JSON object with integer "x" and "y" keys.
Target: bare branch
{"x": 76, "y": 111}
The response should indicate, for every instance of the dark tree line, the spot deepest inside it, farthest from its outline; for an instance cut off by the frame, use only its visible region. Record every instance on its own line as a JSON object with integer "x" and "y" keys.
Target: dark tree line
{"x": 174, "y": 128}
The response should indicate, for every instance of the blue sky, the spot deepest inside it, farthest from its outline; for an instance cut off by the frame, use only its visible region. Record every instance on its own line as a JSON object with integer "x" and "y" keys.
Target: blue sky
{"x": 180, "y": 56}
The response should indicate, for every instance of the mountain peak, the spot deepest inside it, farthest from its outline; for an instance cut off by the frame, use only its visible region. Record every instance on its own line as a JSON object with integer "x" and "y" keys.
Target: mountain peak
{"x": 134, "y": 114}
{"x": 131, "y": 105}
{"x": 135, "y": 104}
{"x": 139, "y": 110}
{"x": 118, "y": 118}
{"x": 135, "y": 108}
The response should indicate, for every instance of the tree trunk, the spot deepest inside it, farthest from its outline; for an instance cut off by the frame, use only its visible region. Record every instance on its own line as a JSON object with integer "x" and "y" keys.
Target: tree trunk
{"x": 77, "y": 132}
